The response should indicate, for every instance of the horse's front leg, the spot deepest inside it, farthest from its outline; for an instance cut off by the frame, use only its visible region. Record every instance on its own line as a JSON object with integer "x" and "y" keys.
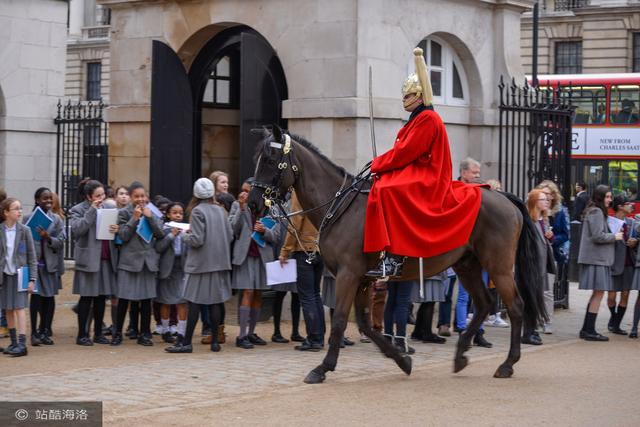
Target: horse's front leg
{"x": 387, "y": 348}
{"x": 346, "y": 288}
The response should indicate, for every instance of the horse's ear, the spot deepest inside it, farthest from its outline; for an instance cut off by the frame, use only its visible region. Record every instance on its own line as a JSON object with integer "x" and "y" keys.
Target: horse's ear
{"x": 277, "y": 132}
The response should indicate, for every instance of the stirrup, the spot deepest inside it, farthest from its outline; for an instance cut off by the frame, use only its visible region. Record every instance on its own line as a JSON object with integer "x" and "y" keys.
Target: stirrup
{"x": 389, "y": 266}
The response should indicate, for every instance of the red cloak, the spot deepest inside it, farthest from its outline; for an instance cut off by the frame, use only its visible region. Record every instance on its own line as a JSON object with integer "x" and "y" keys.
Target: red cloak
{"x": 414, "y": 208}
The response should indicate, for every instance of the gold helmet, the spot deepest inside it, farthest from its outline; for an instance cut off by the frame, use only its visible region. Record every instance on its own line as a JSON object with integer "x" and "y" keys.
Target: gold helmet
{"x": 418, "y": 82}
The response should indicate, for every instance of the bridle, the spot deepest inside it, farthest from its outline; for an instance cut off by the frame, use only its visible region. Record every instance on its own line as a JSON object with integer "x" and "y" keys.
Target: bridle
{"x": 271, "y": 192}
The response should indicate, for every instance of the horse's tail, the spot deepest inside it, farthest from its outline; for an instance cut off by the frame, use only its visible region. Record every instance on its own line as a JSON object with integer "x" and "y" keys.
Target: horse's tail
{"x": 529, "y": 278}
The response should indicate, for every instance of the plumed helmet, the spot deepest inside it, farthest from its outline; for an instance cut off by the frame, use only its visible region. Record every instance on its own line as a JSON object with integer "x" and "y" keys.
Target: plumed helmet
{"x": 418, "y": 82}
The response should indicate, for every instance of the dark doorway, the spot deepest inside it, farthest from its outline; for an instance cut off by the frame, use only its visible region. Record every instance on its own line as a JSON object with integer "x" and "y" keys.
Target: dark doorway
{"x": 235, "y": 83}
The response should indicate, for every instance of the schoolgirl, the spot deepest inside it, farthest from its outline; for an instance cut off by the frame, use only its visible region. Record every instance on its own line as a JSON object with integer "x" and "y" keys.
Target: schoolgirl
{"x": 138, "y": 263}
{"x": 433, "y": 290}
{"x": 48, "y": 251}
{"x": 96, "y": 262}
{"x": 16, "y": 251}
{"x": 597, "y": 251}
{"x": 56, "y": 209}
{"x": 249, "y": 274}
{"x": 208, "y": 264}
{"x": 170, "y": 273}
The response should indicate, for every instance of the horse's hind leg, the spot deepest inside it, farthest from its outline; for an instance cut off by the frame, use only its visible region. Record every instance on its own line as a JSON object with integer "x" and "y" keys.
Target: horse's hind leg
{"x": 507, "y": 289}
{"x": 346, "y": 288}
{"x": 364, "y": 324}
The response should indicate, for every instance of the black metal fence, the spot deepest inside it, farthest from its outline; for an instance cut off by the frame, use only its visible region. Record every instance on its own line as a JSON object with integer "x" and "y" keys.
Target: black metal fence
{"x": 82, "y": 151}
{"x": 535, "y": 144}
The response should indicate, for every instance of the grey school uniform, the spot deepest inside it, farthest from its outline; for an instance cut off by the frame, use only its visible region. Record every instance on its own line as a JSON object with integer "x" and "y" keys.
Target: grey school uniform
{"x": 93, "y": 275}
{"x": 170, "y": 269}
{"x": 622, "y": 268}
{"x": 208, "y": 264}
{"x": 597, "y": 250}
{"x": 249, "y": 271}
{"x": 48, "y": 256}
{"x": 23, "y": 254}
{"x": 328, "y": 289}
{"x": 434, "y": 288}
{"x": 138, "y": 264}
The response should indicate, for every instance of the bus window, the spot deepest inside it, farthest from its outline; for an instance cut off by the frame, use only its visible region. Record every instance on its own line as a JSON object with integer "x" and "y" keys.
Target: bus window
{"x": 589, "y": 102}
{"x": 623, "y": 178}
{"x": 624, "y": 104}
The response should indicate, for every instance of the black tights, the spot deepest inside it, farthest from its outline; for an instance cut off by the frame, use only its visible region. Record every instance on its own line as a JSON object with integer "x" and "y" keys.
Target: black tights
{"x": 43, "y": 306}
{"x": 134, "y": 316}
{"x": 145, "y": 315}
{"x": 84, "y": 308}
{"x": 277, "y": 312}
{"x": 215, "y": 316}
{"x": 424, "y": 320}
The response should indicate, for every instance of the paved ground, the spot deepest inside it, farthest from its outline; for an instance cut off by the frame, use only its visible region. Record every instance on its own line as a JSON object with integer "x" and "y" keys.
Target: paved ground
{"x": 566, "y": 381}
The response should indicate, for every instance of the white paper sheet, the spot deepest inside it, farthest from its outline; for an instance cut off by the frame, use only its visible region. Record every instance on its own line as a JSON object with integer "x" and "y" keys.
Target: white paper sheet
{"x": 184, "y": 226}
{"x": 277, "y": 274}
{"x": 105, "y": 219}
{"x": 615, "y": 224}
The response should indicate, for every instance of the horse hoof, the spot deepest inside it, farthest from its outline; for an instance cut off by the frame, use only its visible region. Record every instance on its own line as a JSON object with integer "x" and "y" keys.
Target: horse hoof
{"x": 503, "y": 372}
{"x": 405, "y": 363}
{"x": 314, "y": 377}
{"x": 460, "y": 363}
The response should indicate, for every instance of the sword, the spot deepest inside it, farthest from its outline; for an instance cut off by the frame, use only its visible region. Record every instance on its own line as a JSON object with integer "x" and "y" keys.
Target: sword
{"x": 421, "y": 268}
{"x": 373, "y": 131}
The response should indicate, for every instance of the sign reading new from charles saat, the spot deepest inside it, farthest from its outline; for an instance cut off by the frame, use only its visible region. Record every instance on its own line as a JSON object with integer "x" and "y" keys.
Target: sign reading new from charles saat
{"x": 607, "y": 141}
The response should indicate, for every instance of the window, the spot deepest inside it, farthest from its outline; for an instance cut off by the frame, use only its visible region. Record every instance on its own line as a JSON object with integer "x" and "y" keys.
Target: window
{"x": 624, "y": 104}
{"x": 623, "y": 178}
{"x": 221, "y": 90}
{"x": 94, "y": 80}
{"x": 448, "y": 80}
{"x": 568, "y": 57}
{"x": 590, "y": 103}
{"x": 636, "y": 53}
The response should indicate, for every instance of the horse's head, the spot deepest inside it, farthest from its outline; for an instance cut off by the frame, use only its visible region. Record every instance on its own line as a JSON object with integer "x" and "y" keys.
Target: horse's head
{"x": 275, "y": 171}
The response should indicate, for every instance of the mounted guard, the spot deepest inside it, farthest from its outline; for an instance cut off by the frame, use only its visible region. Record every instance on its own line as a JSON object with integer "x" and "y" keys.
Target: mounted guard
{"x": 415, "y": 209}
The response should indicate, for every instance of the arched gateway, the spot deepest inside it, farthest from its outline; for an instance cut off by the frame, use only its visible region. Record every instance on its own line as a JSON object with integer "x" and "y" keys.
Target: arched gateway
{"x": 201, "y": 118}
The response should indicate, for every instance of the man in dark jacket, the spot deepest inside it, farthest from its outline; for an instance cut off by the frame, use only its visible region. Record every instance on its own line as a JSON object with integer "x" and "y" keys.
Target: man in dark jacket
{"x": 582, "y": 198}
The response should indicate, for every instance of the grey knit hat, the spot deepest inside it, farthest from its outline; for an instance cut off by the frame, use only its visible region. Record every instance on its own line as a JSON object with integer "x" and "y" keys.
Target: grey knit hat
{"x": 203, "y": 189}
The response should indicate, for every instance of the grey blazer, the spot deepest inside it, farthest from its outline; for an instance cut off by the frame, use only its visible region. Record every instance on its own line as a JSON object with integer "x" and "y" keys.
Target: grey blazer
{"x": 242, "y": 226}
{"x": 597, "y": 241}
{"x": 135, "y": 253}
{"x": 88, "y": 249}
{"x": 164, "y": 247}
{"x": 54, "y": 246}
{"x": 209, "y": 240}
{"x": 24, "y": 252}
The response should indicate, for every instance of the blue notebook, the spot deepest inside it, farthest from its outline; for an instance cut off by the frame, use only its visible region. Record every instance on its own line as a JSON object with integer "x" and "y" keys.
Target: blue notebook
{"x": 38, "y": 220}
{"x": 144, "y": 230}
{"x": 23, "y": 280}
{"x": 258, "y": 237}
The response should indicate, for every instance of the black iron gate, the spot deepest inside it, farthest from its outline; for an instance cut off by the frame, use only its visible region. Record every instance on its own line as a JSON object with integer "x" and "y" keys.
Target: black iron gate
{"x": 82, "y": 152}
{"x": 534, "y": 145}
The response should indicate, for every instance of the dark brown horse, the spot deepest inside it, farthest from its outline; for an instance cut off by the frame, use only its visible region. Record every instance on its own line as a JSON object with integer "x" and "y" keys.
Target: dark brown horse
{"x": 502, "y": 238}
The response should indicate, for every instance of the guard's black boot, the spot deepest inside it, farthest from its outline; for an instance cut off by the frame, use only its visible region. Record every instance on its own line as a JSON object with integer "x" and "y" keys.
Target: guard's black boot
{"x": 389, "y": 266}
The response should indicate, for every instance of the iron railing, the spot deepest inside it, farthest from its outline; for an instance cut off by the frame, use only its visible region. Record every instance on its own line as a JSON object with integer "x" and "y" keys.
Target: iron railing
{"x": 562, "y": 5}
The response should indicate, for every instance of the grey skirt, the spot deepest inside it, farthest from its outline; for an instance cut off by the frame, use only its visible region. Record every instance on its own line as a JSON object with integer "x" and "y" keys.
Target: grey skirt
{"x": 10, "y": 298}
{"x": 136, "y": 286}
{"x": 595, "y": 277}
{"x": 207, "y": 288}
{"x": 170, "y": 289}
{"x": 434, "y": 290}
{"x": 329, "y": 291}
{"x": 635, "y": 283}
{"x": 622, "y": 282}
{"x": 250, "y": 275}
{"x": 48, "y": 283}
{"x": 102, "y": 282}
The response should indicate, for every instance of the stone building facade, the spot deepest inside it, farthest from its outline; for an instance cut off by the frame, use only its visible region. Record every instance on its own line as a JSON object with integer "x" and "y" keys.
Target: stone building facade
{"x": 318, "y": 54}
{"x": 584, "y": 36}
{"x": 32, "y": 51}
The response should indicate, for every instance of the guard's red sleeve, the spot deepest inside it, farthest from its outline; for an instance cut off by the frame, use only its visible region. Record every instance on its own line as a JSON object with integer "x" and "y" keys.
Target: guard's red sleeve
{"x": 416, "y": 144}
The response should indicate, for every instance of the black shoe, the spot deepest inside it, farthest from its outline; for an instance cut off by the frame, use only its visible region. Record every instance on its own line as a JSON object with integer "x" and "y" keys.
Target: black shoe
{"x": 145, "y": 340}
{"x": 297, "y": 338}
{"x": 116, "y": 339}
{"x": 347, "y": 341}
{"x": 634, "y": 333}
{"x": 308, "y": 346}
{"x": 9, "y": 348}
{"x": 618, "y": 331}
{"x": 433, "y": 338}
{"x": 44, "y": 339}
{"x": 402, "y": 346}
{"x": 256, "y": 340}
{"x": 389, "y": 266}
{"x": 84, "y": 341}
{"x": 481, "y": 342}
{"x": 179, "y": 348}
{"x": 531, "y": 340}
{"x": 168, "y": 338}
{"x": 101, "y": 339}
{"x": 244, "y": 343}
{"x": 35, "y": 340}
{"x": 18, "y": 350}
{"x": 278, "y": 338}
{"x": 215, "y": 347}
{"x": 132, "y": 334}
{"x": 593, "y": 336}
{"x": 610, "y": 325}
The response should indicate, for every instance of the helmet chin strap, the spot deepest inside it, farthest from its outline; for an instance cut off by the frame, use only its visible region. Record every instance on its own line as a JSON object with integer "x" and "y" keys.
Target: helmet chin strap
{"x": 413, "y": 101}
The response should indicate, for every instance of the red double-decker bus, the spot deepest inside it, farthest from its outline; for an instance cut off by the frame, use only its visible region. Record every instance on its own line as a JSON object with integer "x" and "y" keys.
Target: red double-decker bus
{"x": 606, "y": 129}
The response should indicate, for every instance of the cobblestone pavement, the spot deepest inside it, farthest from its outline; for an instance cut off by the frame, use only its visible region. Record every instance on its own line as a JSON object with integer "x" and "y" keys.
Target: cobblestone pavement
{"x": 132, "y": 380}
